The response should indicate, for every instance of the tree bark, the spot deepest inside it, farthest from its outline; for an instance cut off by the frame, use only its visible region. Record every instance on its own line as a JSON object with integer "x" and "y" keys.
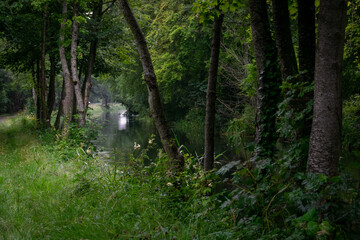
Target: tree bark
{"x": 156, "y": 108}
{"x": 69, "y": 88}
{"x": 325, "y": 138}
{"x": 306, "y": 30}
{"x": 306, "y": 54}
{"x": 97, "y": 12}
{"x": 74, "y": 71}
{"x": 211, "y": 95}
{"x": 51, "y": 93}
{"x": 36, "y": 76}
{"x": 38, "y": 92}
{"x": 60, "y": 111}
{"x": 283, "y": 39}
{"x": 269, "y": 80}
{"x": 42, "y": 85}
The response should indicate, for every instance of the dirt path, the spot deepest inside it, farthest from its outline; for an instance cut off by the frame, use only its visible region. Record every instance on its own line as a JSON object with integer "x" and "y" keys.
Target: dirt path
{"x": 2, "y": 118}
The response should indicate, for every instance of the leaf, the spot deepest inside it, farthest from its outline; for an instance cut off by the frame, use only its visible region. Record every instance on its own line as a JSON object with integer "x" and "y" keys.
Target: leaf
{"x": 226, "y": 168}
{"x": 312, "y": 228}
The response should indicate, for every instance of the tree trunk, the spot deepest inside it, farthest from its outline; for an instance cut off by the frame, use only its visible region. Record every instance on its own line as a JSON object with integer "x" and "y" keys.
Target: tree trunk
{"x": 211, "y": 95}
{"x": 306, "y": 54}
{"x": 269, "y": 80}
{"x": 69, "y": 88}
{"x": 97, "y": 12}
{"x": 156, "y": 109}
{"x": 306, "y": 30}
{"x": 105, "y": 101}
{"x": 38, "y": 93}
{"x": 60, "y": 111}
{"x": 42, "y": 85}
{"x": 74, "y": 71}
{"x": 34, "y": 89}
{"x": 325, "y": 138}
{"x": 51, "y": 93}
{"x": 283, "y": 39}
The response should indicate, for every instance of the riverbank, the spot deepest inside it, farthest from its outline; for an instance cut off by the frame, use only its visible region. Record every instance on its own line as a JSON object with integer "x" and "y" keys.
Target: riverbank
{"x": 50, "y": 190}
{"x": 53, "y": 188}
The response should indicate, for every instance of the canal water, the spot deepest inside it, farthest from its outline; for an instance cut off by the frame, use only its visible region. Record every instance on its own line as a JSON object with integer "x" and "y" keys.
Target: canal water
{"x": 123, "y": 135}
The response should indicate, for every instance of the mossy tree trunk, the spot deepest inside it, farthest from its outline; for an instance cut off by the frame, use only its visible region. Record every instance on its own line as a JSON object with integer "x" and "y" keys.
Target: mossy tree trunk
{"x": 269, "y": 80}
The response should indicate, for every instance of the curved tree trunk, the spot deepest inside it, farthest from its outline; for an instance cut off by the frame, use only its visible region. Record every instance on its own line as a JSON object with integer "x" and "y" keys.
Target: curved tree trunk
{"x": 69, "y": 88}
{"x": 74, "y": 71}
{"x": 325, "y": 139}
{"x": 156, "y": 109}
{"x": 211, "y": 95}
{"x": 269, "y": 80}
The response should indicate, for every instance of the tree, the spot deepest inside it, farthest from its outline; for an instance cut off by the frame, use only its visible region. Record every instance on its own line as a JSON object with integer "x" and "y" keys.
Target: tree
{"x": 306, "y": 54}
{"x": 41, "y": 86}
{"x": 96, "y": 18}
{"x": 67, "y": 100}
{"x": 283, "y": 39}
{"x": 325, "y": 138}
{"x": 156, "y": 109}
{"x": 269, "y": 79}
{"x": 74, "y": 67}
{"x": 211, "y": 94}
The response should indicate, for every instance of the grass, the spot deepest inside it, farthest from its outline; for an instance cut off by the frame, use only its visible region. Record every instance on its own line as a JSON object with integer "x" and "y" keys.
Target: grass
{"x": 50, "y": 188}
{"x": 46, "y": 196}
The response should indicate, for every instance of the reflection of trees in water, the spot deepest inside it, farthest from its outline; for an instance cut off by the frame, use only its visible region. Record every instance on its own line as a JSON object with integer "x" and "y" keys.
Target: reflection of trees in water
{"x": 120, "y": 132}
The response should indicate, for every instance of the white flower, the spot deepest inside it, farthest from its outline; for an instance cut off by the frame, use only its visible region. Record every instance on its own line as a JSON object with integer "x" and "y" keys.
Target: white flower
{"x": 136, "y": 146}
{"x": 170, "y": 184}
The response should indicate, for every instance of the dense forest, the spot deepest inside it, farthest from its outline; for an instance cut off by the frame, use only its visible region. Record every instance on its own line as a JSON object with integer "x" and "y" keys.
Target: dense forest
{"x": 277, "y": 81}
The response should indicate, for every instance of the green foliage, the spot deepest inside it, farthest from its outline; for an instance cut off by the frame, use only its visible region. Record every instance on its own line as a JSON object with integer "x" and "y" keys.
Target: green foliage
{"x": 77, "y": 142}
{"x": 351, "y": 124}
{"x": 44, "y": 196}
{"x": 14, "y": 91}
{"x": 209, "y": 9}
{"x": 290, "y": 119}
{"x": 282, "y": 204}
{"x": 241, "y": 131}
{"x": 179, "y": 49}
{"x": 351, "y": 64}
{"x": 41, "y": 190}
{"x": 268, "y": 98}
{"x": 249, "y": 84}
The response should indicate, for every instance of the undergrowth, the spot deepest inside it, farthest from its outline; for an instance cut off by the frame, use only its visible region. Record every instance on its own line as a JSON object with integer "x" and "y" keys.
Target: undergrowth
{"x": 53, "y": 188}
{"x": 59, "y": 188}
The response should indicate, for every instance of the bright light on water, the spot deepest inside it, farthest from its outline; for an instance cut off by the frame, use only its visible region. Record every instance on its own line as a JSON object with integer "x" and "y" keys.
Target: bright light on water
{"x": 123, "y": 121}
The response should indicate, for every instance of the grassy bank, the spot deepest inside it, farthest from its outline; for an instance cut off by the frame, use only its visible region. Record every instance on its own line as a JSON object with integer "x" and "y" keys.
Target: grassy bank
{"x": 52, "y": 190}
{"x": 58, "y": 188}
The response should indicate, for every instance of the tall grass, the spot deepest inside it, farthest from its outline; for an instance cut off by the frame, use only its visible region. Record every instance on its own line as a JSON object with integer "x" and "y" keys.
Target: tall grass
{"x": 44, "y": 196}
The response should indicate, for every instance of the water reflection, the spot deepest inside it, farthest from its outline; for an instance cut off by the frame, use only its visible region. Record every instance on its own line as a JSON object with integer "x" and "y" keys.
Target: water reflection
{"x": 120, "y": 132}
{"x": 123, "y": 120}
